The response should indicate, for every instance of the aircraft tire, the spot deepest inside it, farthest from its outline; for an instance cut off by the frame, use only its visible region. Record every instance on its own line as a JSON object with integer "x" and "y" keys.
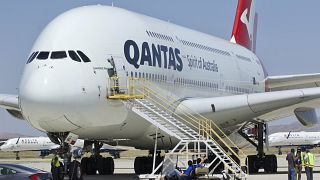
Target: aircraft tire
{"x": 270, "y": 164}
{"x": 84, "y": 162}
{"x": 110, "y": 165}
{"x": 252, "y": 164}
{"x": 75, "y": 172}
{"x": 137, "y": 165}
{"x": 91, "y": 166}
{"x": 102, "y": 165}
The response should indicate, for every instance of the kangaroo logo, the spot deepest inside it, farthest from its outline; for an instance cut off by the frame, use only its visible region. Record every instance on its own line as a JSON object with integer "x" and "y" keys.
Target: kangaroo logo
{"x": 248, "y": 22}
{"x": 245, "y": 21}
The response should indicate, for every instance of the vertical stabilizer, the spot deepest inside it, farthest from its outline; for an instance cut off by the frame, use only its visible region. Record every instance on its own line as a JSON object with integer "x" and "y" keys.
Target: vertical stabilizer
{"x": 245, "y": 25}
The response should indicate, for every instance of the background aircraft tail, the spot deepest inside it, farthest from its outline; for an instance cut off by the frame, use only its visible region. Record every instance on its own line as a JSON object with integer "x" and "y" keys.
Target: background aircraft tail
{"x": 245, "y": 25}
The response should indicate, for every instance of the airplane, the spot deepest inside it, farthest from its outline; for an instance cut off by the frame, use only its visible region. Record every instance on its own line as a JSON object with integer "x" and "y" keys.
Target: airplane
{"x": 301, "y": 139}
{"x": 42, "y": 144}
{"x": 2, "y": 141}
{"x": 46, "y": 147}
{"x": 66, "y": 80}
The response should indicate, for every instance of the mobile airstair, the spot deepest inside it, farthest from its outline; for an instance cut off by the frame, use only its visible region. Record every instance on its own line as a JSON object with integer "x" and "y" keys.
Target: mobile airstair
{"x": 197, "y": 135}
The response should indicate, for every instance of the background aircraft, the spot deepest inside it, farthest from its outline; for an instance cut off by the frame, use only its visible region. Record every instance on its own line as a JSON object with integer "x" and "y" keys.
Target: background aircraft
{"x": 301, "y": 139}
{"x": 46, "y": 146}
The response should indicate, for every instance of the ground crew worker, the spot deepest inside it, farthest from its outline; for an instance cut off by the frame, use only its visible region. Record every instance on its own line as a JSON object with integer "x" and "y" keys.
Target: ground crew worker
{"x": 291, "y": 165}
{"x": 309, "y": 163}
{"x": 55, "y": 168}
{"x": 298, "y": 162}
{"x": 303, "y": 166}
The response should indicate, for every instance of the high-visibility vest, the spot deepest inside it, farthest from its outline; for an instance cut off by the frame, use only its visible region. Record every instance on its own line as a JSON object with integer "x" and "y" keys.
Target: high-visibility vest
{"x": 56, "y": 164}
{"x": 310, "y": 160}
{"x": 302, "y": 159}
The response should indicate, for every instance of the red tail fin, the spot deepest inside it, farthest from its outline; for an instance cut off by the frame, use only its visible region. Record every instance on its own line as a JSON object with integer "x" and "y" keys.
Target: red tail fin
{"x": 245, "y": 24}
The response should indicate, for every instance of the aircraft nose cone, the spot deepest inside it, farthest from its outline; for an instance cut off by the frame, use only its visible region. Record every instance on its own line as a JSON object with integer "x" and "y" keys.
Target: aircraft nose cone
{"x": 48, "y": 97}
{"x": 41, "y": 88}
{"x": 41, "y": 95}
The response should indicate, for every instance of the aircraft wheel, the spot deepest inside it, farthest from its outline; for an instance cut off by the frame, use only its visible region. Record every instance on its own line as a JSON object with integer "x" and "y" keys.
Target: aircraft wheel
{"x": 137, "y": 165}
{"x": 252, "y": 164}
{"x": 75, "y": 171}
{"x": 270, "y": 164}
{"x": 102, "y": 166}
{"x": 110, "y": 165}
{"x": 84, "y": 162}
{"x": 274, "y": 163}
{"x": 91, "y": 166}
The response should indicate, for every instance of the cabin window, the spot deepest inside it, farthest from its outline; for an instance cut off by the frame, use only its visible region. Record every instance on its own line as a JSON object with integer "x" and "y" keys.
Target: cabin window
{"x": 43, "y": 55}
{"x": 58, "y": 55}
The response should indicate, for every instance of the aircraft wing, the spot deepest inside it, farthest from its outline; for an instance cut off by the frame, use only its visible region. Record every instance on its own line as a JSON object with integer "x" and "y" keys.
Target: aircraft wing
{"x": 264, "y": 106}
{"x": 11, "y": 104}
{"x": 108, "y": 148}
{"x": 286, "y": 82}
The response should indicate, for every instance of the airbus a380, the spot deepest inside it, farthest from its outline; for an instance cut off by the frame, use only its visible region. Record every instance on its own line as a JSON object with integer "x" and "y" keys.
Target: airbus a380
{"x": 65, "y": 79}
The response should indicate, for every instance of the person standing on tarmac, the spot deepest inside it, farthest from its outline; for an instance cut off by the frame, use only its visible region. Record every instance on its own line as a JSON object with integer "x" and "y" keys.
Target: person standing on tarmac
{"x": 298, "y": 162}
{"x": 309, "y": 163}
{"x": 291, "y": 164}
{"x": 56, "y": 168}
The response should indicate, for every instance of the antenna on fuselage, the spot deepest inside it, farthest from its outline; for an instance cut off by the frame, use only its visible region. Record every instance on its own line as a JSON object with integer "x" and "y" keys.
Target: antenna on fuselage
{"x": 112, "y": 3}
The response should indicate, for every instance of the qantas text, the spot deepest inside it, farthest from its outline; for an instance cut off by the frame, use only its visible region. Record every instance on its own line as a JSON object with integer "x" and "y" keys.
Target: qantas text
{"x": 152, "y": 55}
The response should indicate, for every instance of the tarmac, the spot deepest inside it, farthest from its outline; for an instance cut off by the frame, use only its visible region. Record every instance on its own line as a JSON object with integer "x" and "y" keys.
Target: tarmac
{"x": 124, "y": 169}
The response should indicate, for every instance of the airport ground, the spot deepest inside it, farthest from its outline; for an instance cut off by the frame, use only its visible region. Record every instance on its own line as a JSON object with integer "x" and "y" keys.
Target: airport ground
{"x": 124, "y": 165}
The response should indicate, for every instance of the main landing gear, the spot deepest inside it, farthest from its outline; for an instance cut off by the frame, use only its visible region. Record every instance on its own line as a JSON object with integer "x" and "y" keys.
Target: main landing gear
{"x": 17, "y": 155}
{"x": 90, "y": 165}
{"x": 261, "y": 160}
{"x": 143, "y": 164}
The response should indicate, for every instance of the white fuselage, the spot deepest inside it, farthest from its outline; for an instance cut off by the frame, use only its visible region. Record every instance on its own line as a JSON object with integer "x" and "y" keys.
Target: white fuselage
{"x": 28, "y": 144}
{"x": 294, "y": 139}
{"x": 62, "y": 95}
{"x": 33, "y": 144}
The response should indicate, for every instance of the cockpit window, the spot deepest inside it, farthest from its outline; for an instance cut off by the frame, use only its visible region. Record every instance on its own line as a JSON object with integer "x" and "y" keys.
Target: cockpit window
{"x": 32, "y": 56}
{"x": 74, "y": 56}
{"x": 58, "y": 55}
{"x": 83, "y": 56}
{"x": 43, "y": 55}
{"x": 78, "y": 55}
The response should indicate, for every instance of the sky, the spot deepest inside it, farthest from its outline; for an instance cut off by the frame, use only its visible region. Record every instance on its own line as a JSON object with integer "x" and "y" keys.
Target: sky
{"x": 288, "y": 34}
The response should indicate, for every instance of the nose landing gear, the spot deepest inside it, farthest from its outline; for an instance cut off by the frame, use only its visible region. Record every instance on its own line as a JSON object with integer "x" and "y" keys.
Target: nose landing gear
{"x": 90, "y": 165}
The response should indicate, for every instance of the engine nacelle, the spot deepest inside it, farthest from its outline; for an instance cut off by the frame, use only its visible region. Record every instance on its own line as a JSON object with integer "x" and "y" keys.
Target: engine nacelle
{"x": 44, "y": 153}
{"x": 307, "y": 116}
{"x": 77, "y": 153}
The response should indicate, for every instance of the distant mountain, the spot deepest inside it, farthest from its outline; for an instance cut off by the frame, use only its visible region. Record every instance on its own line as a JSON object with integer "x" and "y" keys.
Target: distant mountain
{"x": 8, "y": 135}
{"x": 296, "y": 126}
